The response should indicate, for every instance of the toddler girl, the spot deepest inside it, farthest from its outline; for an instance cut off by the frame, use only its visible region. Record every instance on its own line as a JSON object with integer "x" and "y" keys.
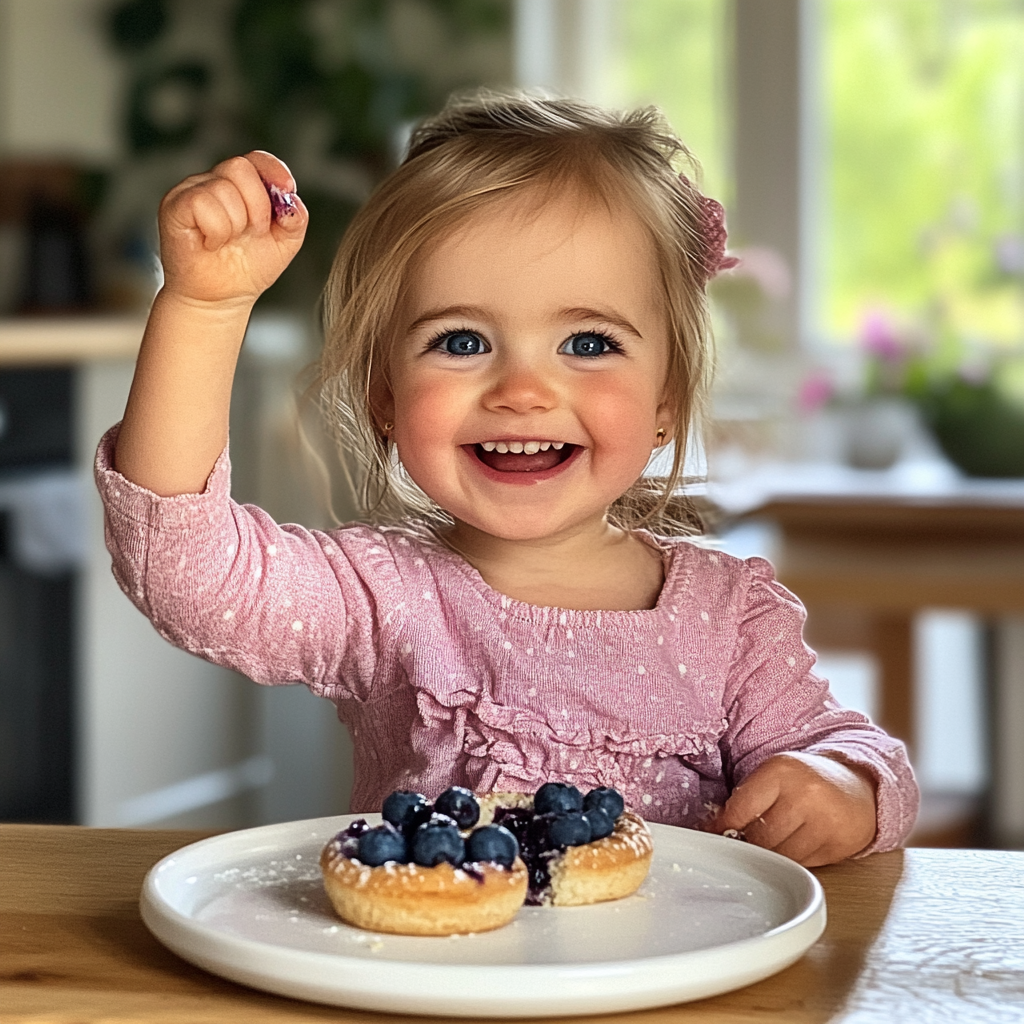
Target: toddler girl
{"x": 514, "y": 321}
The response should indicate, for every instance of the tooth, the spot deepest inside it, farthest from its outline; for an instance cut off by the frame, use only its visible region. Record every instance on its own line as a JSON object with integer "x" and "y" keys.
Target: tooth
{"x": 531, "y": 447}
{"x": 545, "y": 445}
{"x": 516, "y": 446}
{"x": 501, "y": 447}
{"x": 558, "y": 445}
{"x": 488, "y": 446}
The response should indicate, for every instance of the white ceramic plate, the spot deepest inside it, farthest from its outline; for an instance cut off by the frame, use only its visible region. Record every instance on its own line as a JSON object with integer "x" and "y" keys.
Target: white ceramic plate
{"x": 713, "y": 915}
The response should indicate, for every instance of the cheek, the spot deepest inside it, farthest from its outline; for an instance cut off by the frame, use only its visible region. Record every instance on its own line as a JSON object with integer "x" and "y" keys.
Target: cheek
{"x": 621, "y": 414}
{"x": 426, "y": 418}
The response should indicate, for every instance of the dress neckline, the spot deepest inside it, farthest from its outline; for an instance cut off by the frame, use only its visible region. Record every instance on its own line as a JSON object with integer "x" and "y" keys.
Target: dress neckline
{"x": 677, "y": 572}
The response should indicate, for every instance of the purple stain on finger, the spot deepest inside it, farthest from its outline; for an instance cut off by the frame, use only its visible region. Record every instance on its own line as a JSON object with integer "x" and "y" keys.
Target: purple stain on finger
{"x": 282, "y": 203}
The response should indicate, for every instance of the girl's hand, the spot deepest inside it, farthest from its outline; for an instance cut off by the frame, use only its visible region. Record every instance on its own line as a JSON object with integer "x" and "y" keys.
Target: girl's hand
{"x": 220, "y": 243}
{"x": 811, "y": 808}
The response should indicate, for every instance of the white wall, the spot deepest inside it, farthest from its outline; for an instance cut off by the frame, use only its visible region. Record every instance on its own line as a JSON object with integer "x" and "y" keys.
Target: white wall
{"x": 58, "y": 82}
{"x": 149, "y": 715}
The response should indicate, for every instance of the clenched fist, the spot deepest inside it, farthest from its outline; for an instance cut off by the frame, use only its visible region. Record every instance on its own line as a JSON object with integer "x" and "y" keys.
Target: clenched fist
{"x": 222, "y": 242}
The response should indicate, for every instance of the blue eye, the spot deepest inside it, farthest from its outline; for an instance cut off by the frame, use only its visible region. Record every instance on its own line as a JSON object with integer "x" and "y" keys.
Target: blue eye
{"x": 589, "y": 344}
{"x": 461, "y": 343}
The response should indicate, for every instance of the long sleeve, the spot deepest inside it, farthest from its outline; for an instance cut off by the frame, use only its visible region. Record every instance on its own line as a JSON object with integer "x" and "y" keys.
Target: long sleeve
{"x": 775, "y": 703}
{"x": 226, "y": 582}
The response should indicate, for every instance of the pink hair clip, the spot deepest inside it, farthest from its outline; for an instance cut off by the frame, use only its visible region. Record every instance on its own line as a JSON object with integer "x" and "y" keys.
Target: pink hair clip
{"x": 713, "y": 234}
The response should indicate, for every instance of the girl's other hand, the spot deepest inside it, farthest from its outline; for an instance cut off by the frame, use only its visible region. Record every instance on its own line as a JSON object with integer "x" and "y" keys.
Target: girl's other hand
{"x": 810, "y": 808}
{"x": 220, "y": 242}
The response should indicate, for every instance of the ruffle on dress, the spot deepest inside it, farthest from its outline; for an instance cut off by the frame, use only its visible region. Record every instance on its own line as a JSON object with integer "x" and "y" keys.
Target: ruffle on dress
{"x": 517, "y": 748}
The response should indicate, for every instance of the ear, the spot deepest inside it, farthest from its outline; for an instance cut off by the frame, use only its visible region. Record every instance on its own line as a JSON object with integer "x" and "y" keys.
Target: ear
{"x": 665, "y": 417}
{"x": 381, "y": 401}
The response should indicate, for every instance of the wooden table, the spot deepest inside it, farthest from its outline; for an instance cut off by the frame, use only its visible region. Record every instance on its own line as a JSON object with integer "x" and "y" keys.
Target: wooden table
{"x": 918, "y": 935}
{"x": 864, "y": 567}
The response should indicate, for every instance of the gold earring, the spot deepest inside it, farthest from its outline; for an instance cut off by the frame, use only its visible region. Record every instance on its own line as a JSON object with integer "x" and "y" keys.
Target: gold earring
{"x": 660, "y": 435}
{"x": 388, "y": 427}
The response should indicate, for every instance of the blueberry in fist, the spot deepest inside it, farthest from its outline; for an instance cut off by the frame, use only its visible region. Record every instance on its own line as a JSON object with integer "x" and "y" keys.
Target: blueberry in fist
{"x": 381, "y": 844}
{"x": 403, "y": 807}
{"x": 460, "y": 804}
{"x": 608, "y": 799}
{"x": 557, "y": 798}
{"x": 601, "y": 823}
{"x": 438, "y": 840}
{"x": 492, "y": 843}
{"x": 569, "y": 829}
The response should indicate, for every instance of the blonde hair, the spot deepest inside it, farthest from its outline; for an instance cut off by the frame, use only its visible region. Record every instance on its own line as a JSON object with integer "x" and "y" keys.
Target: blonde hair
{"x": 477, "y": 151}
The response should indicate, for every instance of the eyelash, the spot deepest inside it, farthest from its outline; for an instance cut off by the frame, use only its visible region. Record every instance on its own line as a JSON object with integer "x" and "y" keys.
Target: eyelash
{"x": 614, "y": 348}
{"x": 435, "y": 342}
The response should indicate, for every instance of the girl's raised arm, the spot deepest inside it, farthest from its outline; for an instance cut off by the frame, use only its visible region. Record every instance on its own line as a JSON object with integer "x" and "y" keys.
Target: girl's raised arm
{"x": 221, "y": 245}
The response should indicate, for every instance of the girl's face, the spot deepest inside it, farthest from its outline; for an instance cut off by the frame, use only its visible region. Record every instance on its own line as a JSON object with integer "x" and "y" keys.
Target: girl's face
{"x": 528, "y": 370}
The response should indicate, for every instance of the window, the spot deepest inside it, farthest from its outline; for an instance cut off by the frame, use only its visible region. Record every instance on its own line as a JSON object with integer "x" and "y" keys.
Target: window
{"x": 674, "y": 53}
{"x": 923, "y": 173}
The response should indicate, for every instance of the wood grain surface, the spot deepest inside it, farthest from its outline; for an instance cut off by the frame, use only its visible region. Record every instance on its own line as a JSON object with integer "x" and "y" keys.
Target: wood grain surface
{"x": 918, "y": 935}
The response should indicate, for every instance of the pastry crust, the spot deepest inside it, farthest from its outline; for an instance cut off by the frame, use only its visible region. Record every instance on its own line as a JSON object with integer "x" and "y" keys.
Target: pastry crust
{"x": 406, "y": 899}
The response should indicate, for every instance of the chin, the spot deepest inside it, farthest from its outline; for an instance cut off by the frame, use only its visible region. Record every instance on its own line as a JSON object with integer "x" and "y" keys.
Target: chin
{"x": 519, "y": 525}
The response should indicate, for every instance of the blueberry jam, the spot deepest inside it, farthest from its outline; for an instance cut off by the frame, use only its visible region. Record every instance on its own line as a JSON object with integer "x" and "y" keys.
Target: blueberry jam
{"x": 282, "y": 203}
{"x": 531, "y": 831}
{"x": 348, "y": 838}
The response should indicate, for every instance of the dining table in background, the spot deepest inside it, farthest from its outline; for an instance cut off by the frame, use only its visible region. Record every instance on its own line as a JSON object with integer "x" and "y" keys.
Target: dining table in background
{"x": 919, "y": 935}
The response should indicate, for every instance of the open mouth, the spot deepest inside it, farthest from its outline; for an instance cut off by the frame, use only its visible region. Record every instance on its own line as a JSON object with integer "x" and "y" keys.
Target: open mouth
{"x": 523, "y": 456}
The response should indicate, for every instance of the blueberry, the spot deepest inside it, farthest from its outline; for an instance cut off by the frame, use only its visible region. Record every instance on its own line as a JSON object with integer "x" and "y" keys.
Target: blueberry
{"x": 609, "y": 800}
{"x": 557, "y": 798}
{"x": 492, "y": 843}
{"x": 569, "y": 829}
{"x": 403, "y": 807}
{"x": 459, "y": 803}
{"x": 601, "y": 823}
{"x": 438, "y": 840}
{"x": 381, "y": 844}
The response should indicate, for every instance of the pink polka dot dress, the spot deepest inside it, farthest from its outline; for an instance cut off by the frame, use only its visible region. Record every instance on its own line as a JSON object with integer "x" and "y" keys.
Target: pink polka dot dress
{"x": 444, "y": 681}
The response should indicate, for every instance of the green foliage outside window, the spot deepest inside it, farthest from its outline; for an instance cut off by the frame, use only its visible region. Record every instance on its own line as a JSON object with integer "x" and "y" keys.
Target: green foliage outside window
{"x": 924, "y": 105}
{"x": 674, "y": 53}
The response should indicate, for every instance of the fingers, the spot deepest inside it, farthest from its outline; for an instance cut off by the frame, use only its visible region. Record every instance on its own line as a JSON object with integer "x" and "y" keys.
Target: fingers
{"x": 748, "y": 803}
{"x": 233, "y": 198}
{"x": 286, "y": 214}
{"x": 781, "y": 827}
{"x": 241, "y": 173}
{"x": 219, "y": 213}
{"x": 810, "y": 808}
{"x": 271, "y": 170}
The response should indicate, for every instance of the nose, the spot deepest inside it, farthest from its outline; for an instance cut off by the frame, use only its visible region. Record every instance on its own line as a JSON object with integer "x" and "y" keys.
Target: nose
{"x": 520, "y": 385}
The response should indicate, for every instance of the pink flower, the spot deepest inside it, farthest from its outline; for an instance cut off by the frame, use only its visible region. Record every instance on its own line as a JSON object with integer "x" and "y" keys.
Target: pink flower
{"x": 768, "y": 269}
{"x": 879, "y": 337}
{"x": 815, "y": 392}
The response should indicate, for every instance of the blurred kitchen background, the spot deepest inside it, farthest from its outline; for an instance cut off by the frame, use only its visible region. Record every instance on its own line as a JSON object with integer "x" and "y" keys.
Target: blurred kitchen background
{"x": 867, "y": 428}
